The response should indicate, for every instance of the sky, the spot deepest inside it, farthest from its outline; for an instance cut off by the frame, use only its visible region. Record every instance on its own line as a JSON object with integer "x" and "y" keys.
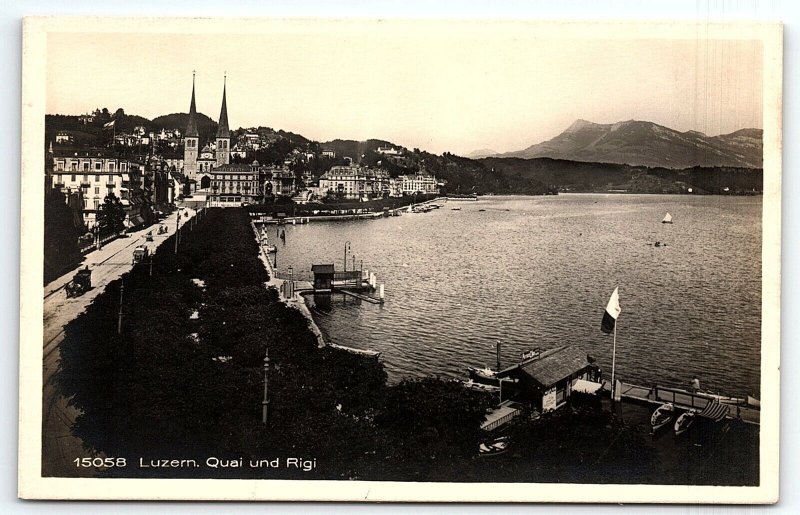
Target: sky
{"x": 437, "y": 86}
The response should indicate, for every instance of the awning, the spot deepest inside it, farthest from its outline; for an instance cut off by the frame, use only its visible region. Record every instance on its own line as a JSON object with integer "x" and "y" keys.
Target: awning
{"x": 136, "y": 220}
{"x": 715, "y": 411}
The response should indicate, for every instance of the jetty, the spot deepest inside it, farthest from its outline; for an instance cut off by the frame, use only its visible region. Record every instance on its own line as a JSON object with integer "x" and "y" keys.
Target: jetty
{"x": 688, "y": 401}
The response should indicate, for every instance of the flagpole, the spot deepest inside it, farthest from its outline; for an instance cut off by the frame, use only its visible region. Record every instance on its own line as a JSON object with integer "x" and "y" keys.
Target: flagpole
{"x": 614, "y": 363}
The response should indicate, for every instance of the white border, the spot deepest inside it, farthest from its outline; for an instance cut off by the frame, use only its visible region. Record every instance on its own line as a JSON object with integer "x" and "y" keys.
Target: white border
{"x": 30, "y": 317}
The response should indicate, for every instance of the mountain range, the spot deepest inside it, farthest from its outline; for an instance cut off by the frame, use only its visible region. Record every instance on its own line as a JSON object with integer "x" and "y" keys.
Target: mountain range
{"x": 642, "y": 143}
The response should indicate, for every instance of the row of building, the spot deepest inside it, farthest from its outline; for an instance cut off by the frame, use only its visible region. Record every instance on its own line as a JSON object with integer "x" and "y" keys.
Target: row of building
{"x": 359, "y": 183}
{"x": 153, "y": 182}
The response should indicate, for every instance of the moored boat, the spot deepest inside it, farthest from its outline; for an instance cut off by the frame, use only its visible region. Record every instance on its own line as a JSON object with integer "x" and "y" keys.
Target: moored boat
{"x": 493, "y": 448}
{"x": 684, "y": 422}
{"x": 481, "y": 387}
{"x": 667, "y": 219}
{"x": 485, "y": 375}
{"x": 662, "y": 416}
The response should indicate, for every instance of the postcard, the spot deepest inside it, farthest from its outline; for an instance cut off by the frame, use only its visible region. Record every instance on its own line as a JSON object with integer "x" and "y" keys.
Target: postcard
{"x": 400, "y": 260}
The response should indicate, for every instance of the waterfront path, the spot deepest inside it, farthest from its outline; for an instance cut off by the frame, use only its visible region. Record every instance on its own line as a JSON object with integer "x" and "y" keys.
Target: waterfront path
{"x": 296, "y": 301}
{"x": 59, "y": 446}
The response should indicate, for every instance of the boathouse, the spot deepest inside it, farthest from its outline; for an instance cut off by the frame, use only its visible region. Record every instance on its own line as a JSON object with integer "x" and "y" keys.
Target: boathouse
{"x": 548, "y": 379}
{"x": 323, "y": 276}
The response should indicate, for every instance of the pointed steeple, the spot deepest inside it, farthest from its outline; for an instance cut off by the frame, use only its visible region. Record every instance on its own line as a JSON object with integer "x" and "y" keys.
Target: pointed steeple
{"x": 191, "y": 129}
{"x": 222, "y": 129}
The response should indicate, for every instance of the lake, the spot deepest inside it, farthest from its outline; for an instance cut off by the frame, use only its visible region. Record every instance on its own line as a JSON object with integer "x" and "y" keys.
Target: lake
{"x": 537, "y": 272}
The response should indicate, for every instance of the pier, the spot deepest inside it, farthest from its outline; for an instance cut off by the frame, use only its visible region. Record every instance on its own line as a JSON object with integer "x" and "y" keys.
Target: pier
{"x": 688, "y": 401}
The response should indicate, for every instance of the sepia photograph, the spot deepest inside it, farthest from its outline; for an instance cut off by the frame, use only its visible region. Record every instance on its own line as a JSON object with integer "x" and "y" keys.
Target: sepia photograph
{"x": 400, "y": 260}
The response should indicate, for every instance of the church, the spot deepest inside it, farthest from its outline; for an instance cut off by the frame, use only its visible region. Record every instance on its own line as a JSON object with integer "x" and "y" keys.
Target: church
{"x": 210, "y": 172}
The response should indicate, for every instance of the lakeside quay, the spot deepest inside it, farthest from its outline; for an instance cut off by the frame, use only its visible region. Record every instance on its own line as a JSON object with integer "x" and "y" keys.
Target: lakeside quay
{"x": 297, "y": 301}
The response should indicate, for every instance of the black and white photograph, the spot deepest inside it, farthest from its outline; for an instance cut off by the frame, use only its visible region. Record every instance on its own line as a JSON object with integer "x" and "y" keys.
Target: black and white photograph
{"x": 400, "y": 260}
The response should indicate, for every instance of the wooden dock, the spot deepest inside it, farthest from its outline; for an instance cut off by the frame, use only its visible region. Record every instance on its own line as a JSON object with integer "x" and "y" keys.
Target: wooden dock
{"x": 360, "y": 296}
{"x": 684, "y": 400}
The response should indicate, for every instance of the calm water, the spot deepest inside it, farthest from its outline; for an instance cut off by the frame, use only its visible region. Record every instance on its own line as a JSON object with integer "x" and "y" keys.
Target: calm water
{"x": 538, "y": 272}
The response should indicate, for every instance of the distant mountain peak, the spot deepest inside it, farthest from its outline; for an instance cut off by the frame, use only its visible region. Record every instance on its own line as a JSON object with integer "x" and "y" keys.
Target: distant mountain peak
{"x": 645, "y": 143}
{"x": 581, "y": 124}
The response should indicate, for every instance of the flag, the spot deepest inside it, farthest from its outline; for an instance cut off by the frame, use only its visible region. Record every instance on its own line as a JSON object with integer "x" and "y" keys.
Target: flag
{"x": 109, "y": 124}
{"x": 612, "y": 312}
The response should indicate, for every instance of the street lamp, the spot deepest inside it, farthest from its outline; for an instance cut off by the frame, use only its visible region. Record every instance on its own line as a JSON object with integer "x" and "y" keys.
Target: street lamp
{"x": 265, "y": 402}
{"x": 291, "y": 278}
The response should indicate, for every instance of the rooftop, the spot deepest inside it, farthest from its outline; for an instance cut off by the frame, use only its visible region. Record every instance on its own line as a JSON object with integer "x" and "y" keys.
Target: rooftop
{"x": 551, "y": 366}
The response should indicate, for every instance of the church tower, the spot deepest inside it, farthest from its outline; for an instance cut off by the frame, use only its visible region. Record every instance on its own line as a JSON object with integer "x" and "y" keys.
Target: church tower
{"x": 191, "y": 140}
{"x": 223, "y": 132}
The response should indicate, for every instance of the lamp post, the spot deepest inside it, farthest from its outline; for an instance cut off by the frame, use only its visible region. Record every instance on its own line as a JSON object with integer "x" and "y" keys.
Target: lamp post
{"x": 346, "y": 248}
{"x": 119, "y": 318}
{"x": 265, "y": 402}
{"x": 177, "y": 230}
{"x": 291, "y": 279}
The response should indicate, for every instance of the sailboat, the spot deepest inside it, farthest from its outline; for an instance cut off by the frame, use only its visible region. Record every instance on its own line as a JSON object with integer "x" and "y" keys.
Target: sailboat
{"x": 667, "y": 219}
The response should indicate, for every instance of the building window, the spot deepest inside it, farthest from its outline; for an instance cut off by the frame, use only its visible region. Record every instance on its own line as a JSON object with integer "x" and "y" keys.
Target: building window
{"x": 96, "y": 202}
{"x": 85, "y": 178}
{"x": 97, "y": 190}
{"x": 96, "y": 178}
{"x": 73, "y": 178}
{"x": 85, "y": 167}
{"x": 75, "y": 166}
{"x": 110, "y": 167}
{"x": 97, "y": 166}
{"x": 123, "y": 166}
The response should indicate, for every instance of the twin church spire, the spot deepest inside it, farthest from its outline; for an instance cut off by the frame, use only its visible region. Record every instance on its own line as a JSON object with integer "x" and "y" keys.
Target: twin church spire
{"x": 191, "y": 140}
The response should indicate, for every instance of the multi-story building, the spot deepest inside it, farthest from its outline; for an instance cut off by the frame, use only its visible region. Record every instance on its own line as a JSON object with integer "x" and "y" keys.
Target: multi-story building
{"x": 418, "y": 183}
{"x": 282, "y": 181}
{"x": 63, "y": 137}
{"x": 355, "y": 182}
{"x": 96, "y": 176}
{"x": 234, "y": 184}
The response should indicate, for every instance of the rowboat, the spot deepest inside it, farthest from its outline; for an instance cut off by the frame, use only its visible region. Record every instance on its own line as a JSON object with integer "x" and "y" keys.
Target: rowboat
{"x": 662, "y": 416}
{"x": 498, "y": 446}
{"x": 684, "y": 422}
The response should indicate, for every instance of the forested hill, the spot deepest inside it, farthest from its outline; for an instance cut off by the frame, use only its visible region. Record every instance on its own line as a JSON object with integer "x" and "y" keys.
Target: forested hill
{"x": 601, "y": 177}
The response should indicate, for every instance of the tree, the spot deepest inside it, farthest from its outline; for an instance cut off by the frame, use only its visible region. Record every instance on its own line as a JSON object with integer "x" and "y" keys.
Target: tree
{"x": 61, "y": 234}
{"x": 111, "y": 216}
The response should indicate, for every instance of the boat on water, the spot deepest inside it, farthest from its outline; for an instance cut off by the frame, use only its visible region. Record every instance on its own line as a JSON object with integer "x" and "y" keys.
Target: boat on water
{"x": 455, "y": 208}
{"x": 480, "y": 387}
{"x": 684, "y": 422}
{"x": 495, "y": 447}
{"x": 662, "y": 416}
{"x": 486, "y": 375}
{"x": 667, "y": 219}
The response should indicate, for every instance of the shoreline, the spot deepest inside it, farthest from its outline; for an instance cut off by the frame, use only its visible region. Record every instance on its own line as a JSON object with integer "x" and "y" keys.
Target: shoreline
{"x": 298, "y": 301}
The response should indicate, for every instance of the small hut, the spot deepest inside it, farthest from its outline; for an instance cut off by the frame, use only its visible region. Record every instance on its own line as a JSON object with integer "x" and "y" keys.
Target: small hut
{"x": 547, "y": 380}
{"x": 323, "y": 276}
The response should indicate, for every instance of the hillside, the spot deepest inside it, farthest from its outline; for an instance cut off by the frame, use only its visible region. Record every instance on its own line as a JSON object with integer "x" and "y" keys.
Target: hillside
{"x": 577, "y": 176}
{"x": 642, "y": 143}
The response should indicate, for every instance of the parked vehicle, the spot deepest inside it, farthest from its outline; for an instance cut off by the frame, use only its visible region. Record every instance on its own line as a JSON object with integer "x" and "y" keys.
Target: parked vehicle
{"x": 80, "y": 284}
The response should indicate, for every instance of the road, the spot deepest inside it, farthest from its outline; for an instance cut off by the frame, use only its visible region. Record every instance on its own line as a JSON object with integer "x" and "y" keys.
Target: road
{"x": 59, "y": 446}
